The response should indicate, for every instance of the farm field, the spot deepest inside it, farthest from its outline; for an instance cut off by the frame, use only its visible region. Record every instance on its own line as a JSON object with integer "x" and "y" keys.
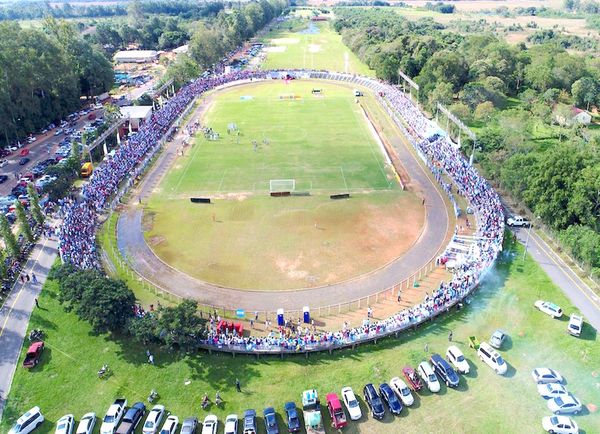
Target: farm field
{"x": 249, "y": 240}
{"x": 66, "y": 381}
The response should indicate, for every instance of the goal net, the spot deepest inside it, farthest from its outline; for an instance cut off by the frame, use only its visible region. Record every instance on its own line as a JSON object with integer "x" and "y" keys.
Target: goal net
{"x": 279, "y": 185}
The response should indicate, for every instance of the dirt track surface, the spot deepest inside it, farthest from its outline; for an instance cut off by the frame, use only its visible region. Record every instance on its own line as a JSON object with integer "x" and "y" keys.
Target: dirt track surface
{"x": 132, "y": 245}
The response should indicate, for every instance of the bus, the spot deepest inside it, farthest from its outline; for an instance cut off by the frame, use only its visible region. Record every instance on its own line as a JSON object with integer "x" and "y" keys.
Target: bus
{"x": 86, "y": 169}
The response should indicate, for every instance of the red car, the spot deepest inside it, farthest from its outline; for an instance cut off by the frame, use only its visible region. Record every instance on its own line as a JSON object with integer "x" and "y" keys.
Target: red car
{"x": 412, "y": 378}
{"x": 338, "y": 417}
{"x": 24, "y": 152}
{"x": 33, "y": 354}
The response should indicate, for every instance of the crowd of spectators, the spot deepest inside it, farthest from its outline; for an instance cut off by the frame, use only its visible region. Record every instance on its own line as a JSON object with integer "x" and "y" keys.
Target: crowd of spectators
{"x": 78, "y": 231}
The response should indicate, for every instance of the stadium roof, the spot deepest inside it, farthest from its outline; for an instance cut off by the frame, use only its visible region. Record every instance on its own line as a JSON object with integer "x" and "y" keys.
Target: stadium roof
{"x": 136, "y": 111}
{"x": 136, "y": 56}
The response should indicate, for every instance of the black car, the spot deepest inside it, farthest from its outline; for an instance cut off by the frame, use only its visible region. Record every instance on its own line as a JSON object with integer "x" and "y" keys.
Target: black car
{"x": 18, "y": 191}
{"x": 23, "y": 161}
{"x": 374, "y": 401}
{"x": 390, "y": 398}
{"x": 291, "y": 412}
{"x": 444, "y": 370}
{"x": 189, "y": 425}
{"x": 3, "y": 179}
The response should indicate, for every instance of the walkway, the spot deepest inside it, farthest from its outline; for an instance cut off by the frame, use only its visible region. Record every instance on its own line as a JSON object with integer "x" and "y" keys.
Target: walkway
{"x": 133, "y": 247}
{"x": 14, "y": 315}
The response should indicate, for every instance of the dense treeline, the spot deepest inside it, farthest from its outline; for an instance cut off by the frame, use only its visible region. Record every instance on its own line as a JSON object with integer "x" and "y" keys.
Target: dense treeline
{"x": 43, "y": 73}
{"x": 516, "y": 95}
{"x": 34, "y": 10}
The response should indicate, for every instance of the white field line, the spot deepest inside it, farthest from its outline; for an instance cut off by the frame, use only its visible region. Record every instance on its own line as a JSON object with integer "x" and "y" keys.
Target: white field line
{"x": 344, "y": 177}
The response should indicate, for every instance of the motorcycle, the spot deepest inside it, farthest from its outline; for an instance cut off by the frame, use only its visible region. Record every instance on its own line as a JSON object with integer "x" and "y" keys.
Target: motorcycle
{"x": 103, "y": 371}
{"x": 205, "y": 403}
{"x": 153, "y": 396}
{"x": 36, "y": 335}
{"x": 218, "y": 401}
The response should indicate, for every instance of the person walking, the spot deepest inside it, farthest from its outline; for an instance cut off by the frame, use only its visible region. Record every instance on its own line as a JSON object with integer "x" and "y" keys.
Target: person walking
{"x": 450, "y": 336}
{"x": 426, "y": 347}
{"x": 37, "y": 303}
{"x": 22, "y": 278}
{"x": 151, "y": 359}
{"x": 27, "y": 278}
{"x": 34, "y": 277}
{"x": 238, "y": 386}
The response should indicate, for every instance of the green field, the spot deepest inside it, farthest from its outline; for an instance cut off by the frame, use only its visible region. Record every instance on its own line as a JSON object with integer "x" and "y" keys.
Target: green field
{"x": 66, "y": 382}
{"x": 249, "y": 240}
{"x": 321, "y": 48}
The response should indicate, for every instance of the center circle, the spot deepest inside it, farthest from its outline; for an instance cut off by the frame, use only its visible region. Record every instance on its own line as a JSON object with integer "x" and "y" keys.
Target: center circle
{"x": 314, "y": 136}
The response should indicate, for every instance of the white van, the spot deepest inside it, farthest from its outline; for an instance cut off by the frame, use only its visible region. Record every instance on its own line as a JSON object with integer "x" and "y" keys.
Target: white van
{"x": 28, "y": 422}
{"x": 426, "y": 373}
{"x": 490, "y": 357}
{"x": 357, "y": 92}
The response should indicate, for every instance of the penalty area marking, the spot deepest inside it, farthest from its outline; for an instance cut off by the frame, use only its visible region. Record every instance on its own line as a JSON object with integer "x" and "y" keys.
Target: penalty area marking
{"x": 344, "y": 178}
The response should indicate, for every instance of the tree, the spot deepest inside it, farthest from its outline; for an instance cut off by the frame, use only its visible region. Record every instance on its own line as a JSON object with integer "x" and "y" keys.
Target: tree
{"x": 182, "y": 70}
{"x": 144, "y": 329}
{"x": 34, "y": 205}
{"x": 180, "y": 326}
{"x": 585, "y": 92}
{"x": 484, "y": 111}
{"x": 107, "y": 304}
{"x": 23, "y": 221}
{"x": 9, "y": 238}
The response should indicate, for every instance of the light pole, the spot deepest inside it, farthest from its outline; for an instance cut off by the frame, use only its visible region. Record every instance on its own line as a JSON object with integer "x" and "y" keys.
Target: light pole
{"x": 527, "y": 239}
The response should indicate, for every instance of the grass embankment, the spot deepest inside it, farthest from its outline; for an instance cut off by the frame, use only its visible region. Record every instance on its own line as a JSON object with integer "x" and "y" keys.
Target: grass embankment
{"x": 66, "y": 382}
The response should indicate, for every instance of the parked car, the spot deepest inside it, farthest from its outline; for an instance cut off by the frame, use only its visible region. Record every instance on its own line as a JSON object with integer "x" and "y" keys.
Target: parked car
{"x": 270, "y": 421}
{"x": 457, "y": 358}
{"x": 564, "y": 404}
{"x": 34, "y": 353}
{"x": 549, "y": 308}
{"x": 113, "y": 416}
{"x": 444, "y": 370}
{"x": 497, "y": 339}
{"x": 291, "y": 416}
{"x": 170, "y": 425}
{"x": 560, "y": 425}
{"x": 23, "y": 161}
{"x": 3, "y": 163}
{"x": 551, "y": 390}
{"x": 428, "y": 376}
{"x": 351, "y": 403}
{"x": 132, "y": 418}
{"x": 154, "y": 419}
{"x": 24, "y": 152}
{"x": 250, "y": 421}
{"x": 412, "y": 378}
{"x": 65, "y": 425}
{"x": 28, "y": 422}
{"x": 336, "y": 412}
{"x": 231, "y": 424}
{"x": 575, "y": 324}
{"x": 86, "y": 424}
{"x": 546, "y": 375}
{"x": 190, "y": 424}
{"x": 3, "y": 179}
{"x": 490, "y": 357}
{"x": 390, "y": 398}
{"x": 401, "y": 389}
{"x": 374, "y": 402}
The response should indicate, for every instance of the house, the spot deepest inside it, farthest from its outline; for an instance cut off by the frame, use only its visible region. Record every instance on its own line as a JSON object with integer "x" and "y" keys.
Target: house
{"x": 137, "y": 115}
{"x": 575, "y": 116}
{"x": 136, "y": 56}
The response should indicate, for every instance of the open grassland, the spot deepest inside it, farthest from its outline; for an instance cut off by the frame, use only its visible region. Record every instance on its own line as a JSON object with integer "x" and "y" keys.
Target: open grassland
{"x": 66, "y": 382}
{"x": 247, "y": 239}
{"x": 310, "y": 45}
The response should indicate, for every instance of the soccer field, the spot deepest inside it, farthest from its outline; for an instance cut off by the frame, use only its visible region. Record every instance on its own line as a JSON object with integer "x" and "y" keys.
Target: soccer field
{"x": 249, "y": 240}
{"x": 322, "y": 142}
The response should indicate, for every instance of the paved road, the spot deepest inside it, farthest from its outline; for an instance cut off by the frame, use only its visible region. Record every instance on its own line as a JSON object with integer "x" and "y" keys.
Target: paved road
{"x": 14, "y": 315}
{"x": 132, "y": 245}
{"x": 580, "y": 294}
{"x": 38, "y": 151}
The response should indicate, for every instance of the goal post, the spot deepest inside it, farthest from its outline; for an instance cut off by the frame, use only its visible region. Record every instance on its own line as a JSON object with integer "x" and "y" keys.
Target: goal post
{"x": 281, "y": 185}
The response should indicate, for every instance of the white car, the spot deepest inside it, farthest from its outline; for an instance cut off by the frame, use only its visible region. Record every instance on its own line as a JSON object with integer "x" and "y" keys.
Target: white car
{"x": 209, "y": 426}
{"x": 457, "y": 358}
{"x": 65, "y": 425}
{"x": 3, "y": 163}
{"x": 517, "y": 220}
{"x": 560, "y": 425}
{"x": 351, "y": 403}
{"x": 28, "y": 422}
{"x": 153, "y": 420}
{"x": 549, "y": 308}
{"x": 170, "y": 426}
{"x": 575, "y": 324}
{"x": 551, "y": 390}
{"x": 564, "y": 404}
{"x": 546, "y": 375}
{"x": 490, "y": 357}
{"x": 231, "y": 424}
{"x": 402, "y": 391}
{"x": 86, "y": 424}
{"x": 426, "y": 373}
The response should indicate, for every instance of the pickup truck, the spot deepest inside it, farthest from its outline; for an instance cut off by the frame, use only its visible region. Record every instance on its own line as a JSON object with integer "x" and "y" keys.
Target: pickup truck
{"x": 33, "y": 354}
{"x": 132, "y": 418}
{"x": 113, "y": 416}
{"x": 517, "y": 220}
